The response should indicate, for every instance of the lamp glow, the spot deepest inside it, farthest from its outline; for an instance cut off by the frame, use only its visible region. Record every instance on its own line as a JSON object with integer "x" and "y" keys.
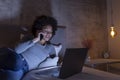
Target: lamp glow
{"x": 112, "y": 32}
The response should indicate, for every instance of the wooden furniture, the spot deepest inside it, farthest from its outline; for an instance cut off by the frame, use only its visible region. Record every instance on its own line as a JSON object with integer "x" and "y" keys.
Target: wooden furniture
{"x": 94, "y": 62}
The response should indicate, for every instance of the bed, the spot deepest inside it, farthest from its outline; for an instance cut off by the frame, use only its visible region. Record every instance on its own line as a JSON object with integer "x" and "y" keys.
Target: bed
{"x": 86, "y": 74}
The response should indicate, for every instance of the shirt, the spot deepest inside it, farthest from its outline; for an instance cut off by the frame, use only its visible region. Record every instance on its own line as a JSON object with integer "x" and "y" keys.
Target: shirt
{"x": 34, "y": 53}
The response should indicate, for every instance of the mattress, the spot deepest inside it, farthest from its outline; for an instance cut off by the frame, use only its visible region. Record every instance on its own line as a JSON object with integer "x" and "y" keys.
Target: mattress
{"x": 86, "y": 74}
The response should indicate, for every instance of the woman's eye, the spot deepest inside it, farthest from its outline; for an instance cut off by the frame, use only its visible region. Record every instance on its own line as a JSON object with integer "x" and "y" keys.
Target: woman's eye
{"x": 47, "y": 32}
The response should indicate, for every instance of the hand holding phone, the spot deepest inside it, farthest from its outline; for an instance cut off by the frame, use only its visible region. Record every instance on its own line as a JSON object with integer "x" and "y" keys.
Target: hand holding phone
{"x": 38, "y": 38}
{"x": 41, "y": 36}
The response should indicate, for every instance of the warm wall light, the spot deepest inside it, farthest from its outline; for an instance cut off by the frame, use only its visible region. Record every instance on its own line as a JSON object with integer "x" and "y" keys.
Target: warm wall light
{"x": 112, "y": 32}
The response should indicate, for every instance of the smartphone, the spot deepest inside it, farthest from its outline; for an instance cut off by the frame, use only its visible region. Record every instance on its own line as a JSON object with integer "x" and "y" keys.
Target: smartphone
{"x": 41, "y": 36}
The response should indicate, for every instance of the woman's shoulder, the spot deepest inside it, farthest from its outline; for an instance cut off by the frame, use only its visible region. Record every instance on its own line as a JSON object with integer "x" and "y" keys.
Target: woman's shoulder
{"x": 49, "y": 45}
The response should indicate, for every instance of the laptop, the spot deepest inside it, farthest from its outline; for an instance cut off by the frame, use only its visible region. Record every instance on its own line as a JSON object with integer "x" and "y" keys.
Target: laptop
{"x": 72, "y": 64}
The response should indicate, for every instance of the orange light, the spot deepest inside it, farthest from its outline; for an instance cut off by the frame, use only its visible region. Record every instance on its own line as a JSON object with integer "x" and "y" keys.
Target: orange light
{"x": 112, "y": 32}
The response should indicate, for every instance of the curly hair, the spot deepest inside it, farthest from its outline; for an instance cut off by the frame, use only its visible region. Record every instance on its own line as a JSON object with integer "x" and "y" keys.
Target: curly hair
{"x": 42, "y": 21}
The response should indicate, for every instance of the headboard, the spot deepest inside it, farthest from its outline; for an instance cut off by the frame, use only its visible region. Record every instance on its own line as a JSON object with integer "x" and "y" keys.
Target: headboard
{"x": 60, "y": 37}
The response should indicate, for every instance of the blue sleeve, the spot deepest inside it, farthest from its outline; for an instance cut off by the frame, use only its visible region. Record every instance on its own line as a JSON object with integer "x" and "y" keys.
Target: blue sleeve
{"x": 24, "y": 46}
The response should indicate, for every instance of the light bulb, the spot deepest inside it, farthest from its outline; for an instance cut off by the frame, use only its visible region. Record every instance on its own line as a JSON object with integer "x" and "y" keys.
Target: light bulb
{"x": 112, "y": 32}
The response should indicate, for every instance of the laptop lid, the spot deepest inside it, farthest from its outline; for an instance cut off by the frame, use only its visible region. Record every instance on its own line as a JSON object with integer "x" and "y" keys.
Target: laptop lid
{"x": 73, "y": 62}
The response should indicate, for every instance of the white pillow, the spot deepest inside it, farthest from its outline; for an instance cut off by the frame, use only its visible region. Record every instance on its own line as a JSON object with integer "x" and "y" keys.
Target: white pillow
{"x": 57, "y": 49}
{"x": 49, "y": 62}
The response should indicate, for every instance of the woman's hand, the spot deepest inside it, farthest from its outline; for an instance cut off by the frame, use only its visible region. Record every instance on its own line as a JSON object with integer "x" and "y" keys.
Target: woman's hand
{"x": 38, "y": 38}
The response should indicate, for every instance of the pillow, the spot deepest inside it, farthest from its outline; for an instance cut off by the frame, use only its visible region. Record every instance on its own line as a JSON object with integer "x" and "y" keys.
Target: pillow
{"x": 57, "y": 49}
{"x": 49, "y": 62}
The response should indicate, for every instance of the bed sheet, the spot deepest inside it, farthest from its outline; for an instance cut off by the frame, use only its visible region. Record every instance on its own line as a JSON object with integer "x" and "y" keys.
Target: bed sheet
{"x": 86, "y": 74}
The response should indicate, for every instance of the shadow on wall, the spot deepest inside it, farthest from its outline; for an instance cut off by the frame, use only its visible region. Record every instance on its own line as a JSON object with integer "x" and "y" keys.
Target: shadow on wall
{"x": 9, "y": 35}
{"x": 16, "y": 14}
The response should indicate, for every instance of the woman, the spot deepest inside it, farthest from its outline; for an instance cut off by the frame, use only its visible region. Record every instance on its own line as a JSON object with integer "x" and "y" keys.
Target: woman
{"x": 32, "y": 53}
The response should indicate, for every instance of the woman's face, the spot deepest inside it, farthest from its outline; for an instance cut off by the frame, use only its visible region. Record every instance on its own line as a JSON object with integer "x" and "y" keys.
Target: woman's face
{"x": 47, "y": 32}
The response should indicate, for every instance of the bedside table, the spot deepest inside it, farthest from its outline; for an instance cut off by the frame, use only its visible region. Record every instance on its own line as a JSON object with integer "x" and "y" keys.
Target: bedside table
{"x": 94, "y": 62}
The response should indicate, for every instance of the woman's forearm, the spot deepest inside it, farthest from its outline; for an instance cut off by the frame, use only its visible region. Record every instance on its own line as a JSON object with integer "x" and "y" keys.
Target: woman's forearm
{"x": 24, "y": 46}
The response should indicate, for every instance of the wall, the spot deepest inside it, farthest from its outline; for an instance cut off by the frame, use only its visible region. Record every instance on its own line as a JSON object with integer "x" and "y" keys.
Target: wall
{"x": 33, "y": 8}
{"x": 114, "y": 43}
{"x": 15, "y": 14}
{"x": 84, "y": 19}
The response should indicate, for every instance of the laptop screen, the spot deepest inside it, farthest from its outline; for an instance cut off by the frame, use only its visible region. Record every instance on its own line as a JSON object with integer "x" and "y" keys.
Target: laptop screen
{"x": 73, "y": 62}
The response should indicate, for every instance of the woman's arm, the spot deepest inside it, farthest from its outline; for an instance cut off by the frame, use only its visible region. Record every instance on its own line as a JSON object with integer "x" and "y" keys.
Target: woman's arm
{"x": 26, "y": 45}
